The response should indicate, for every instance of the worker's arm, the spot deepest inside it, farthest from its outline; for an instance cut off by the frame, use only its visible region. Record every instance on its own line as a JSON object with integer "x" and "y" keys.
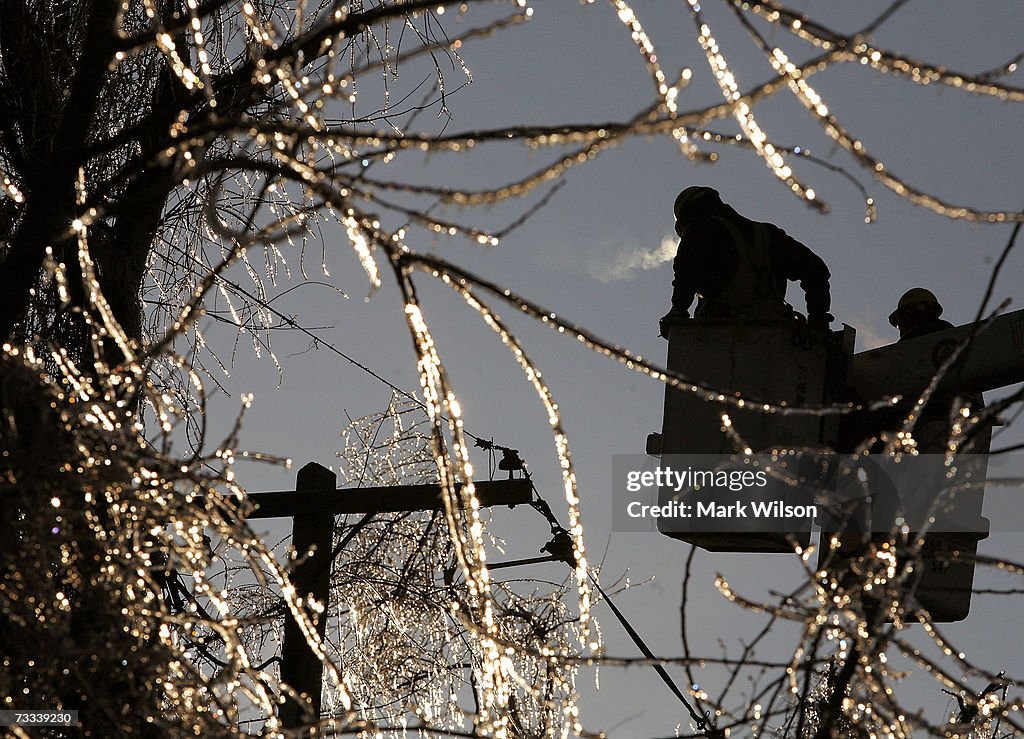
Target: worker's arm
{"x": 703, "y": 264}
{"x": 685, "y": 280}
{"x": 684, "y": 287}
{"x": 799, "y": 264}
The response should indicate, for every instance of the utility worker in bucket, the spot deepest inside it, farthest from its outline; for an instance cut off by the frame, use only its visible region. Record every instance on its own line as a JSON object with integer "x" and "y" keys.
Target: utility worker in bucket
{"x": 738, "y": 268}
{"x": 917, "y": 314}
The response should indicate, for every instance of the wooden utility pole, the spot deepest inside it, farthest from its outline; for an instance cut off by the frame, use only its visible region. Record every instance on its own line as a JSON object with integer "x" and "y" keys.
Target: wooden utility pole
{"x": 311, "y": 537}
{"x": 312, "y": 507}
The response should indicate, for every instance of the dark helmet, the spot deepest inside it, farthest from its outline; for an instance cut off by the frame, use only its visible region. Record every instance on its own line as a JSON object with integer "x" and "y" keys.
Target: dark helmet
{"x": 916, "y": 302}
{"x": 695, "y": 199}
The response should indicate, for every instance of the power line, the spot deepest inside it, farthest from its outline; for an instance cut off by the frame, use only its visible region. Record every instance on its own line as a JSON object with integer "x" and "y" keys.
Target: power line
{"x": 702, "y": 722}
{"x": 291, "y": 322}
{"x": 542, "y": 506}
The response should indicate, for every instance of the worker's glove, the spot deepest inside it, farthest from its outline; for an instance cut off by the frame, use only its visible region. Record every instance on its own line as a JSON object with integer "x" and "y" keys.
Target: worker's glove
{"x": 668, "y": 319}
{"x": 820, "y": 322}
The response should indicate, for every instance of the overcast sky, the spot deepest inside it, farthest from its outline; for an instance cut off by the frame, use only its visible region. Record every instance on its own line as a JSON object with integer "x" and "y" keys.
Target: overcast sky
{"x": 592, "y": 255}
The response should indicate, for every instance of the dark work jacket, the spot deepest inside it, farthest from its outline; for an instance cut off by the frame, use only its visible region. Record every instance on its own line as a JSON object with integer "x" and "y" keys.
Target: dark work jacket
{"x": 709, "y": 258}
{"x": 932, "y": 429}
{"x": 926, "y": 327}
